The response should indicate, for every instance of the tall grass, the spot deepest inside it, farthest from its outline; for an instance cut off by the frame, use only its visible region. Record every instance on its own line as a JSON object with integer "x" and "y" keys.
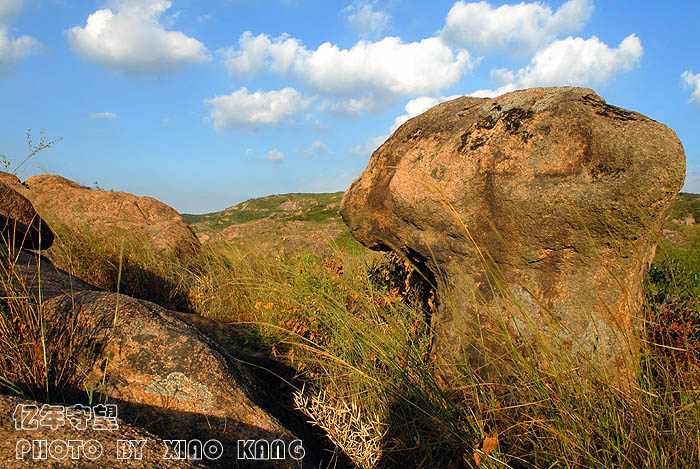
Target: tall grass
{"x": 361, "y": 348}
{"x": 34, "y": 355}
{"x": 124, "y": 262}
{"x": 353, "y": 325}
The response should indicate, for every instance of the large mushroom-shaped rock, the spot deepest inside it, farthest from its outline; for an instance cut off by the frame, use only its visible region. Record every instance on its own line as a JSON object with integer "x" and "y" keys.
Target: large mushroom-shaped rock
{"x": 117, "y": 215}
{"x": 536, "y": 213}
{"x": 21, "y": 226}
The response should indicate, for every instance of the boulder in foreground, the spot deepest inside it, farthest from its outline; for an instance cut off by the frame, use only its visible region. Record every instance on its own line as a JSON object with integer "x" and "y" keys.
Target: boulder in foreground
{"x": 21, "y": 226}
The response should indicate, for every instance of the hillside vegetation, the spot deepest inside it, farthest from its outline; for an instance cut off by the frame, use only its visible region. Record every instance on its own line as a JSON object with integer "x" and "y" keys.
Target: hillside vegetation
{"x": 351, "y": 322}
{"x": 290, "y": 221}
{"x": 315, "y": 208}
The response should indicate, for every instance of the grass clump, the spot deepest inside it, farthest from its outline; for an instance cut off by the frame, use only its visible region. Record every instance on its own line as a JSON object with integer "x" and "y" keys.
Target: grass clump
{"x": 34, "y": 355}
{"x": 128, "y": 264}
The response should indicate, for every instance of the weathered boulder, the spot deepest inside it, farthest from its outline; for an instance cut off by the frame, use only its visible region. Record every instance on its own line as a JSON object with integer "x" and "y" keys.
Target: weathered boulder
{"x": 17, "y": 437}
{"x": 536, "y": 213}
{"x": 115, "y": 215}
{"x": 163, "y": 373}
{"x": 21, "y": 226}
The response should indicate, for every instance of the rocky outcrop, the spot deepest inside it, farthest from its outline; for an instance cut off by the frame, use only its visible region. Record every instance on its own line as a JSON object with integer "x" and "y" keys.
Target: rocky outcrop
{"x": 116, "y": 215}
{"x": 540, "y": 207}
{"x": 162, "y": 372}
{"x": 21, "y": 226}
{"x": 17, "y": 442}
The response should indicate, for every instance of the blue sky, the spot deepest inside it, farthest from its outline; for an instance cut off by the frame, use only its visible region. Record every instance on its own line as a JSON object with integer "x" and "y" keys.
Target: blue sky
{"x": 205, "y": 103}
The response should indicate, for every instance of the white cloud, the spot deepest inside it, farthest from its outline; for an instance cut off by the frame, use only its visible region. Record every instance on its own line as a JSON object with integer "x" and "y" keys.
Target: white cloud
{"x": 418, "y": 106}
{"x": 507, "y": 88}
{"x": 578, "y": 61}
{"x": 478, "y": 23}
{"x": 257, "y": 52}
{"x": 275, "y": 155}
{"x": 413, "y": 108}
{"x": 693, "y": 81}
{"x": 365, "y": 20}
{"x": 317, "y": 148}
{"x": 355, "y": 107}
{"x": 132, "y": 39}
{"x": 572, "y": 61}
{"x": 388, "y": 66}
{"x": 104, "y": 115}
{"x": 241, "y": 109}
{"x": 8, "y": 10}
{"x": 502, "y": 76}
{"x": 13, "y": 49}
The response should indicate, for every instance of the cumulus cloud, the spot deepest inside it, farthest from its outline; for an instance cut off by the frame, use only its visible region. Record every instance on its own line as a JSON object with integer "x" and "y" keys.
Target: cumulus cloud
{"x": 241, "y": 109}
{"x": 365, "y": 20}
{"x": 9, "y": 9}
{"x": 275, "y": 155}
{"x": 132, "y": 38}
{"x": 13, "y": 49}
{"x": 355, "y": 107}
{"x": 317, "y": 148}
{"x": 480, "y": 24}
{"x": 105, "y": 115}
{"x": 502, "y": 76}
{"x": 572, "y": 61}
{"x": 388, "y": 66}
{"x": 254, "y": 53}
{"x": 692, "y": 81}
{"x": 418, "y": 106}
{"x": 578, "y": 61}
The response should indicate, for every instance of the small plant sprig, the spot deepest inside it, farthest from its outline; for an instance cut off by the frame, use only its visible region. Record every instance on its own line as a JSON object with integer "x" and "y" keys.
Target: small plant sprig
{"x": 33, "y": 150}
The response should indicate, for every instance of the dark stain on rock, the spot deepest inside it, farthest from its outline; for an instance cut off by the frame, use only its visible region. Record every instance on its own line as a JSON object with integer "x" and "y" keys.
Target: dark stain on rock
{"x": 479, "y": 141}
{"x": 544, "y": 129}
{"x": 415, "y": 134}
{"x": 488, "y": 122}
{"x": 513, "y": 118}
{"x": 600, "y": 170}
{"x": 464, "y": 139}
{"x": 606, "y": 110}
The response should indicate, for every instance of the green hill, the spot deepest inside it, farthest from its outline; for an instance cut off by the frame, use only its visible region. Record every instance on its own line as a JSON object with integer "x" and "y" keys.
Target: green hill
{"x": 291, "y": 221}
{"x": 315, "y": 208}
